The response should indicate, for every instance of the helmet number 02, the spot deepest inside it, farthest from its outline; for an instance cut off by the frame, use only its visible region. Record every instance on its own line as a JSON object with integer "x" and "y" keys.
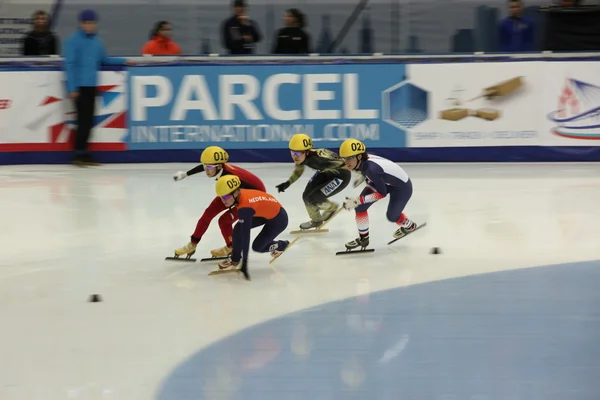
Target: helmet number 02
{"x": 357, "y": 147}
{"x": 219, "y": 156}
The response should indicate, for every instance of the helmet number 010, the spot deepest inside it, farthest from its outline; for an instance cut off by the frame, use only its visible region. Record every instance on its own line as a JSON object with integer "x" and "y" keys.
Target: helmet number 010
{"x": 219, "y": 156}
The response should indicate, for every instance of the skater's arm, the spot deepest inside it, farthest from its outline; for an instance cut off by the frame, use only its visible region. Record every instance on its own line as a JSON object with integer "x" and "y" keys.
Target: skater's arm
{"x": 298, "y": 171}
{"x": 296, "y": 174}
{"x": 196, "y": 170}
{"x": 245, "y": 216}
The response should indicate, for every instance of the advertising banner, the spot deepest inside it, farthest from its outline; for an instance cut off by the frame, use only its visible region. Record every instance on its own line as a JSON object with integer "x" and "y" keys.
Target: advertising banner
{"x": 478, "y": 104}
{"x": 571, "y": 102}
{"x": 261, "y": 107}
{"x": 37, "y": 115}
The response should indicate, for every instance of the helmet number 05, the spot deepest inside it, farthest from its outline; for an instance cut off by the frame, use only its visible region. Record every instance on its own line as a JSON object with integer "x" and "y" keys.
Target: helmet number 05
{"x": 357, "y": 147}
{"x": 231, "y": 184}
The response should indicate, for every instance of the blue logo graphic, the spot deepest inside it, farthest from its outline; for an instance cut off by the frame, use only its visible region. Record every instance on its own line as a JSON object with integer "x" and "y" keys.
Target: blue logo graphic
{"x": 405, "y": 105}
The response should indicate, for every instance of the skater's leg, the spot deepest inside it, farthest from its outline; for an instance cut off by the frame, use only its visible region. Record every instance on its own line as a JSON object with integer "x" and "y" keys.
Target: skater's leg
{"x": 316, "y": 194}
{"x": 226, "y": 222}
{"x": 214, "y": 209}
{"x": 265, "y": 240}
{"x": 362, "y": 215}
{"x": 324, "y": 185}
{"x": 399, "y": 198}
{"x": 236, "y": 254}
{"x": 312, "y": 197}
{"x": 362, "y": 222}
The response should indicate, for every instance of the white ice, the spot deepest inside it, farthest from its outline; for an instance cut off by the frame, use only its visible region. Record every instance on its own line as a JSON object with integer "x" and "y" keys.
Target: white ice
{"x": 68, "y": 233}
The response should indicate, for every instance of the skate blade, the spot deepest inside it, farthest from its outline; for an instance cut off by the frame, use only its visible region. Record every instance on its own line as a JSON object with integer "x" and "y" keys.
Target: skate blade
{"x": 313, "y": 230}
{"x": 346, "y": 252}
{"x": 286, "y": 249}
{"x": 416, "y": 229}
{"x": 180, "y": 259}
{"x": 213, "y": 259}
{"x": 223, "y": 271}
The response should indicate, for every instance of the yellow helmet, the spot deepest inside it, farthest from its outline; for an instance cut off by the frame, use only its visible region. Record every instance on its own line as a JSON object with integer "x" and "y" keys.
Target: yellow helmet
{"x": 228, "y": 184}
{"x": 214, "y": 155}
{"x": 352, "y": 147}
{"x": 300, "y": 142}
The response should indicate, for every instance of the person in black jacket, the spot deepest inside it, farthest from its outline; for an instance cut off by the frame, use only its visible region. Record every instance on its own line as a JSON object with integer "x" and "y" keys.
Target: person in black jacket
{"x": 40, "y": 41}
{"x": 240, "y": 33}
{"x": 292, "y": 39}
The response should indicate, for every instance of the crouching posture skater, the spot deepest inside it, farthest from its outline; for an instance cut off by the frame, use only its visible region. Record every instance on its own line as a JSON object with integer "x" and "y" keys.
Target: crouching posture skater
{"x": 215, "y": 163}
{"x": 255, "y": 208}
{"x": 383, "y": 178}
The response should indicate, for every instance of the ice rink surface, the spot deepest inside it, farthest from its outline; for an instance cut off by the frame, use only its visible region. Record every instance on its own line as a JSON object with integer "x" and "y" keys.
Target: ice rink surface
{"x": 510, "y": 310}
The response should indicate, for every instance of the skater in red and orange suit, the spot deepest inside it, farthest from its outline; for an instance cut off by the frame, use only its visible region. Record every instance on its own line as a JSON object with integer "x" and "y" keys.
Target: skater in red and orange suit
{"x": 214, "y": 162}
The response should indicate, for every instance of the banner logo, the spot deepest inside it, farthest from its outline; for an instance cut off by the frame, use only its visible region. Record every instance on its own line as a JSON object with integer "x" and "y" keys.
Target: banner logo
{"x": 578, "y": 112}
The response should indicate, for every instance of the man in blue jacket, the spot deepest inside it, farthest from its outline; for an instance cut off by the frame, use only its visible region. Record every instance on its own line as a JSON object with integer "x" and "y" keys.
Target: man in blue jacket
{"x": 84, "y": 54}
{"x": 516, "y": 32}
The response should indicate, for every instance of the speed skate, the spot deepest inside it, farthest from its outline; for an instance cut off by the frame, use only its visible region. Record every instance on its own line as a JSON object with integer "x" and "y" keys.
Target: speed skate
{"x": 361, "y": 244}
{"x": 237, "y": 268}
{"x": 318, "y": 229}
{"x": 410, "y": 233}
{"x": 177, "y": 257}
{"x": 188, "y": 257}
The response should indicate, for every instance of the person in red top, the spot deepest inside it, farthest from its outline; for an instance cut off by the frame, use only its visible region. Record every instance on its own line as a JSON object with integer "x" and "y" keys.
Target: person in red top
{"x": 160, "y": 43}
{"x": 255, "y": 208}
{"x": 214, "y": 162}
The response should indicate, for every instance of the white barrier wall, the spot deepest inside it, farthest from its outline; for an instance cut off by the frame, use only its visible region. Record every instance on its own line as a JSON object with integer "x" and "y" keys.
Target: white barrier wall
{"x": 469, "y": 111}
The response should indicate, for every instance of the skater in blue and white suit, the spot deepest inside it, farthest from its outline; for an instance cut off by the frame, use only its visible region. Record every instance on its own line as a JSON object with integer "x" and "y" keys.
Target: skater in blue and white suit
{"x": 383, "y": 178}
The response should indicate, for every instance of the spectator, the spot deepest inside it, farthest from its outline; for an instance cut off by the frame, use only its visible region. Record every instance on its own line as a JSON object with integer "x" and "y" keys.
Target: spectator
{"x": 292, "y": 39}
{"x": 40, "y": 41}
{"x": 160, "y": 43}
{"x": 84, "y": 54}
{"x": 516, "y": 32}
{"x": 240, "y": 34}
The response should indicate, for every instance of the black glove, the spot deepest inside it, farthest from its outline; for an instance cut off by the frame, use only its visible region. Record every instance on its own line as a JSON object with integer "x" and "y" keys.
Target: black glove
{"x": 282, "y": 186}
{"x": 244, "y": 269}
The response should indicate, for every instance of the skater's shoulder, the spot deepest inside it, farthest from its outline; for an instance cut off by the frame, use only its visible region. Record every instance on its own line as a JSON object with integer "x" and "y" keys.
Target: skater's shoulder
{"x": 229, "y": 169}
{"x": 260, "y": 201}
{"x": 324, "y": 153}
{"x": 323, "y": 159}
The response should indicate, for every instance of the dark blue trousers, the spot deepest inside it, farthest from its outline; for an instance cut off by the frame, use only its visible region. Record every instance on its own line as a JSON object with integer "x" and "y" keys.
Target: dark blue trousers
{"x": 265, "y": 240}
{"x": 399, "y": 197}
